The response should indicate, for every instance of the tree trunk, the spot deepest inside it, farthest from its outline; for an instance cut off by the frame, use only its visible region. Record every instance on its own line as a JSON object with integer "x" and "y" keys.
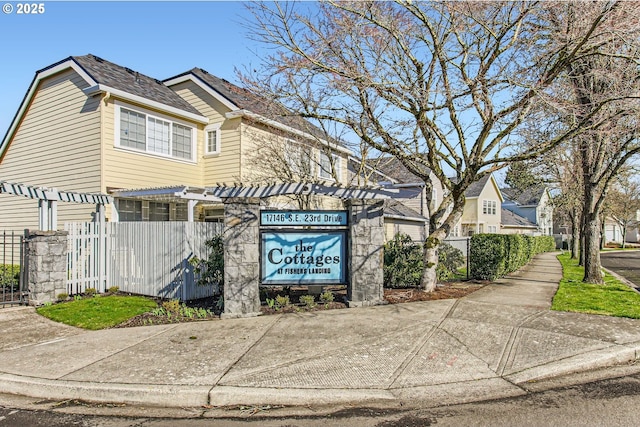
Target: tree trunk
{"x": 575, "y": 235}
{"x": 591, "y": 253}
{"x": 429, "y": 278}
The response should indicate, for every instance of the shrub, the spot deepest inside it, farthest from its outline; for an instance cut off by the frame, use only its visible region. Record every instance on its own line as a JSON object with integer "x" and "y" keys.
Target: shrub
{"x": 450, "y": 259}
{"x": 211, "y": 269}
{"x": 487, "y": 256}
{"x": 113, "y": 289}
{"x": 326, "y": 297}
{"x": 90, "y": 292}
{"x": 172, "y": 306}
{"x": 402, "y": 262}
{"x": 9, "y": 275}
{"x": 282, "y": 301}
{"x": 494, "y": 255}
{"x": 62, "y": 296}
{"x": 308, "y": 300}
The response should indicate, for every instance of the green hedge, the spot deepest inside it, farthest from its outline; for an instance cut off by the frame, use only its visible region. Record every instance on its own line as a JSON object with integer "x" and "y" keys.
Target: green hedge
{"x": 494, "y": 255}
{"x": 9, "y": 275}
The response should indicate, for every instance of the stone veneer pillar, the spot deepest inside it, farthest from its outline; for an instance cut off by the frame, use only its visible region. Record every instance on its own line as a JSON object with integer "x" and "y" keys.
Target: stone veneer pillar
{"x": 47, "y": 265}
{"x": 241, "y": 257}
{"x": 366, "y": 241}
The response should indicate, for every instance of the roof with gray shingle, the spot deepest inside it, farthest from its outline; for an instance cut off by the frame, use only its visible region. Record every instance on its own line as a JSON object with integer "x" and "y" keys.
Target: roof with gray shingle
{"x": 510, "y": 219}
{"x": 528, "y": 197}
{"x": 130, "y": 81}
{"x": 476, "y": 187}
{"x": 393, "y": 168}
{"x": 396, "y": 208}
{"x": 246, "y": 100}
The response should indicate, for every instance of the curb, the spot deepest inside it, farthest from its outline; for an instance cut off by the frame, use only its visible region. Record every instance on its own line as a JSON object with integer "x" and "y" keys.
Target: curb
{"x": 603, "y": 358}
{"x": 134, "y": 394}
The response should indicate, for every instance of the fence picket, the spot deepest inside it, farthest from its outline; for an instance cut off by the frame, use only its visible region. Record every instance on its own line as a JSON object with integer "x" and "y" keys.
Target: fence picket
{"x": 146, "y": 258}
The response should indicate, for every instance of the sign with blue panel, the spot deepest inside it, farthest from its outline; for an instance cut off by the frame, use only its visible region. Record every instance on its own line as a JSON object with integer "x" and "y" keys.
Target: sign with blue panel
{"x": 304, "y": 257}
{"x": 301, "y": 218}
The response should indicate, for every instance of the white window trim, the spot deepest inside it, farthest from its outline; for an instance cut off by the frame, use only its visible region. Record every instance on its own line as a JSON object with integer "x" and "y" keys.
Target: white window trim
{"x": 118, "y": 106}
{"x": 214, "y": 127}
{"x": 337, "y": 165}
{"x": 491, "y": 207}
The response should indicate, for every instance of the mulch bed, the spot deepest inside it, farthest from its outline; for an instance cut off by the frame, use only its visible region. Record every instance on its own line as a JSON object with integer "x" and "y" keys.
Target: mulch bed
{"x": 452, "y": 290}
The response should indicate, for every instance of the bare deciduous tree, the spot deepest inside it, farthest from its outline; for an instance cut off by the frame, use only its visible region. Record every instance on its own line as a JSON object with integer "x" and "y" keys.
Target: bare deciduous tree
{"x": 441, "y": 86}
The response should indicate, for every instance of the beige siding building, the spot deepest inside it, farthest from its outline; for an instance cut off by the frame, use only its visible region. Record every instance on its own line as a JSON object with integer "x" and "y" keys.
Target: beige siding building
{"x": 482, "y": 209}
{"x": 92, "y": 126}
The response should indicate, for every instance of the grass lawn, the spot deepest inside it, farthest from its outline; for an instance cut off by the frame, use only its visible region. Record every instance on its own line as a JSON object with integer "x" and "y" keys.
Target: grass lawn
{"x": 611, "y": 299}
{"x": 98, "y": 312}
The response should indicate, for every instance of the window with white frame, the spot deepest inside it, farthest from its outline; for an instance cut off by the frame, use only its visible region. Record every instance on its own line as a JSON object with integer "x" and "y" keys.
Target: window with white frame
{"x": 133, "y": 129}
{"x": 492, "y": 229}
{"x": 298, "y": 158}
{"x": 152, "y": 134}
{"x": 212, "y": 133}
{"x": 326, "y": 167}
{"x": 489, "y": 207}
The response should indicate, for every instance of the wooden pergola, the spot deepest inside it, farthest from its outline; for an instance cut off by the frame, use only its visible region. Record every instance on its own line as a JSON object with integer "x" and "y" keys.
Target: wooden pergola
{"x": 48, "y": 199}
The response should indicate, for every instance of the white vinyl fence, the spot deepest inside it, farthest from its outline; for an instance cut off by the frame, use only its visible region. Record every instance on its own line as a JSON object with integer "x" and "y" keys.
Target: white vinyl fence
{"x": 146, "y": 258}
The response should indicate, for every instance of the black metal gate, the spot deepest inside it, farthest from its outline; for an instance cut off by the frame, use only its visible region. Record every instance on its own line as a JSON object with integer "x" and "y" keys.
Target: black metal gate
{"x": 14, "y": 272}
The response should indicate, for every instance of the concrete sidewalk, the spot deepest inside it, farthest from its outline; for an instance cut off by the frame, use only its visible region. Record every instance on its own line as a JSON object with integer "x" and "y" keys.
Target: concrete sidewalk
{"x": 486, "y": 345}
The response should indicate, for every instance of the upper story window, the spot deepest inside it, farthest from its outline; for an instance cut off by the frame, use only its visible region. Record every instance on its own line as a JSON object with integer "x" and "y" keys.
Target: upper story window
{"x": 298, "y": 158}
{"x": 152, "y": 134}
{"x": 212, "y": 133}
{"x": 328, "y": 165}
{"x": 489, "y": 207}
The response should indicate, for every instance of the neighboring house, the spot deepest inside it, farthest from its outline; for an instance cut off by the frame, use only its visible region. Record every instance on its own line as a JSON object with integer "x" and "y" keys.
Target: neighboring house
{"x": 613, "y": 230}
{"x": 89, "y": 125}
{"x": 482, "y": 209}
{"x": 512, "y": 223}
{"x": 394, "y": 173}
{"x": 533, "y": 204}
{"x": 401, "y": 215}
{"x": 408, "y": 215}
{"x": 633, "y": 232}
{"x": 399, "y": 218}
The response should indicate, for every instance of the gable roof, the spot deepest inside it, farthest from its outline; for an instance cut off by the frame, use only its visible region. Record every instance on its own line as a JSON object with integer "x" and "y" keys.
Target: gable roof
{"x": 392, "y": 167}
{"x": 511, "y": 219}
{"x": 127, "y": 80}
{"x": 529, "y": 197}
{"x": 105, "y": 76}
{"x": 243, "y": 103}
{"x": 395, "y": 209}
{"x": 476, "y": 187}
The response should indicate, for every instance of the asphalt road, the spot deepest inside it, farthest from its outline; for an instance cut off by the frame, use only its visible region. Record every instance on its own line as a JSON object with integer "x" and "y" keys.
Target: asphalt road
{"x": 625, "y": 263}
{"x": 596, "y": 402}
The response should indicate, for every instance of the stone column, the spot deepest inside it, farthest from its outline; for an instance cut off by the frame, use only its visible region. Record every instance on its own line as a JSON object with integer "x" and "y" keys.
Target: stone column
{"x": 366, "y": 241}
{"x": 241, "y": 257}
{"x": 47, "y": 266}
